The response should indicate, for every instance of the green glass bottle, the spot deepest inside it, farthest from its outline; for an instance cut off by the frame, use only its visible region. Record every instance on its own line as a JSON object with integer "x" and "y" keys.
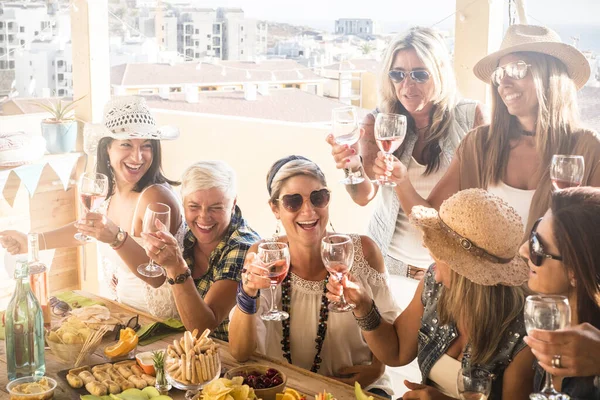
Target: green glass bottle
{"x": 24, "y": 329}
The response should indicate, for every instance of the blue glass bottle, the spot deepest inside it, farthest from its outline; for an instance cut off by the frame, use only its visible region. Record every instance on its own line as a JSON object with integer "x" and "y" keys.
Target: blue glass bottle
{"x": 24, "y": 329}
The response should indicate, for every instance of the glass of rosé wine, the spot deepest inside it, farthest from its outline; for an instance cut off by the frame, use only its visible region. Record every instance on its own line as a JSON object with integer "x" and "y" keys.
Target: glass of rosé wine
{"x": 275, "y": 258}
{"x": 93, "y": 189}
{"x": 337, "y": 253}
{"x": 390, "y": 130}
{"x": 566, "y": 171}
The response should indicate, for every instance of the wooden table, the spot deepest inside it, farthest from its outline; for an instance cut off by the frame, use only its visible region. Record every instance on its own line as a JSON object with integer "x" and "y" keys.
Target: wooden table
{"x": 297, "y": 378}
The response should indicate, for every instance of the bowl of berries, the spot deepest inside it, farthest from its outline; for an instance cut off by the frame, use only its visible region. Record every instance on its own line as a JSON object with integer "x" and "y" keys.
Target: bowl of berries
{"x": 265, "y": 381}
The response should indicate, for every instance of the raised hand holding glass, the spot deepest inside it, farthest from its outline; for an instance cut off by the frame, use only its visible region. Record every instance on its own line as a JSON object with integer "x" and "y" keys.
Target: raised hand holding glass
{"x": 337, "y": 253}
{"x": 346, "y": 132}
{"x": 275, "y": 258}
{"x": 390, "y": 131}
{"x": 93, "y": 189}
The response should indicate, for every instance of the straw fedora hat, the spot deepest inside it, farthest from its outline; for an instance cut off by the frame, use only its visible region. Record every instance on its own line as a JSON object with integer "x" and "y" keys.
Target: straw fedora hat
{"x": 126, "y": 118}
{"x": 538, "y": 39}
{"x": 478, "y": 235}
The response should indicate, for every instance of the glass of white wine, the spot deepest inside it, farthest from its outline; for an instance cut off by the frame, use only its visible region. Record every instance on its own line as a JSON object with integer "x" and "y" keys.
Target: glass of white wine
{"x": 155, "y": 212}
{"x": 474, "y": 383}
{"x": 550, "y": 313}
{"x": 346, "y": 131}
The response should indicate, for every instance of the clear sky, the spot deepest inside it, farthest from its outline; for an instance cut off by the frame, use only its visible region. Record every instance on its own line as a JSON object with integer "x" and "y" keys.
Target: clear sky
{"x": 322, "y": 13}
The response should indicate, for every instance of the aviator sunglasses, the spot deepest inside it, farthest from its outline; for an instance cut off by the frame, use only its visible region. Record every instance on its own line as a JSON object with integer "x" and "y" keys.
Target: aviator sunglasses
{"x": 536, "y": 250}
{"x": 294, "y": 202}
{"x": 514, "y": 70}
{"x": 417, "y": 75}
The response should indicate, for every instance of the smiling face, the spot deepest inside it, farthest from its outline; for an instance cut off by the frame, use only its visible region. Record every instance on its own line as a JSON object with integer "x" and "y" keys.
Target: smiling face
{"x": 551, "y": 277}
{"x": 519, "y": 95}
{"x": 415, "y": 97}
{"x": 130, "y": 159}
{"x": 309, "y": 224}
{"x": 208, "y": 214}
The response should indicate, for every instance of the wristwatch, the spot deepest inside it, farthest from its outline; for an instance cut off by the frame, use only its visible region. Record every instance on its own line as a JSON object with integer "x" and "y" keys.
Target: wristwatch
{"x": 180, "y": 278}
{"x": 119, "y": 239}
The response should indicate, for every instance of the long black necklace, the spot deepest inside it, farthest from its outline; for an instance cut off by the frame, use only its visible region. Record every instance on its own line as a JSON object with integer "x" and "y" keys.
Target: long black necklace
{"x": 286, "y": 297}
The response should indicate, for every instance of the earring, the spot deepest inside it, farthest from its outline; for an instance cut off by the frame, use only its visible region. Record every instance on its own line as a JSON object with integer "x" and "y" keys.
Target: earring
{"x": 277, "y": 231}
{"x": 331, "y": 226}
{"x": 573, "y": 283}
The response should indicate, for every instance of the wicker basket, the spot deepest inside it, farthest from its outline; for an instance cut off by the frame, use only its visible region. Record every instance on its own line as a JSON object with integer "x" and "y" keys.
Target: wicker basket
{"x": 70, "y": 352}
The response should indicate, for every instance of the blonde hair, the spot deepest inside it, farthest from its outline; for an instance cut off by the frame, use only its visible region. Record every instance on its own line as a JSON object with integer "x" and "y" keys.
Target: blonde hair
{"x": 557, "y": 117}
{"x": 431, "y": 49}
{"x": 485, "y": 312}
{"x": 205, "y": 175}
{"x": 291, "y": 169}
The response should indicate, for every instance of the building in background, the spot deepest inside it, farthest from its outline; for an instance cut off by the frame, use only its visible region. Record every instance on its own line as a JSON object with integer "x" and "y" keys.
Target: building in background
{"x": 352, "y": 82}
{"x": 356, "y": 26}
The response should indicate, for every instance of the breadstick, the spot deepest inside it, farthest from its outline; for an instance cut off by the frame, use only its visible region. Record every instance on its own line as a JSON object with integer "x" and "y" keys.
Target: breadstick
{"x": 172, "y": 368}
{"x": 202, "y": 358}
{"x": 182, "y": 367}
{"x": 215, "y": 362}
{"x": 195, "y": 333}
{"x": 205, "y": 334}
{"x": 177, "y": 347}
{"x": 211, "y": 367}
{"x": 188, "y": 366}
{"x": 194, "y": 377}
{"x": 198, "y": 370}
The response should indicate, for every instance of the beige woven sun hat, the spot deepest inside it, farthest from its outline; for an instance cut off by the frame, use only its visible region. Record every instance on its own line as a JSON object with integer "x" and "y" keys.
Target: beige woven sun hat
{"x": 478, "y": 234}
{"x": 538, "y": 39}
{"x": 126, "y": 117}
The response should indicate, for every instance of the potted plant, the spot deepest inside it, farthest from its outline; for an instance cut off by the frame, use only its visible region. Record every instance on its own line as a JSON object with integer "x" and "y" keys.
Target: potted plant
{"x": 60, "y": 130}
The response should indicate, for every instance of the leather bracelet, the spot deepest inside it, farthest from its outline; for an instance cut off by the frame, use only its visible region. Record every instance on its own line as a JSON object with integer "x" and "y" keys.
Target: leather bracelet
{"x": 246, "y": 303}
{"x": 371, "y": 321}
{"x": 181, "y": 278}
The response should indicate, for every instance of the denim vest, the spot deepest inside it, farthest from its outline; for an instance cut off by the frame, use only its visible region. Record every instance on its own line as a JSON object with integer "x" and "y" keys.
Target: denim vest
{"x": 578, "y": 388}
{"x": 434, "y": 340}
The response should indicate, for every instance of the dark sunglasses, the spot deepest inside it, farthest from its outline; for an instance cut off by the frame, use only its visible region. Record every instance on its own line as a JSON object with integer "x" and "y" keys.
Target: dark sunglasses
{"x": 133, "y": 323}
{"x": 417, "y": 75}
{"x": 58, "y": 307}
{"x": 514, "y": 70}
{"x": 536, "y": 249}
{"x": 294, "y": 202}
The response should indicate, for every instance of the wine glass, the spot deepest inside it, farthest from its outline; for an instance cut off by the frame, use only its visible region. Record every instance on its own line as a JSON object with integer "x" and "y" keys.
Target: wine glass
{"x": 155, "y": 212}
{"x": 337, "y": 252}
{"x": 93, "y": 188}
{"x": 547, "y": 312}
{"x": 346, "y": 131}
{"x": 566, "y": 171}
{"x": 474, "y": 383}
{"x": 275, "y": 258}
{"x": 390, "y": 130}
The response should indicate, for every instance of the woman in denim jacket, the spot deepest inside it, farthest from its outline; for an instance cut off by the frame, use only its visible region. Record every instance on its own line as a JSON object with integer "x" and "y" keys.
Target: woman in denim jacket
{"x": 564, "y": 258}
{"x": 468, "y": 309}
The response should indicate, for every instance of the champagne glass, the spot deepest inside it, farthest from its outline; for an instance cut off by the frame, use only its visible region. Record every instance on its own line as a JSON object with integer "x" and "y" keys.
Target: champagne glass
{"x": 93, "y": 188}
{"x": 346, "y": 131}
{"x": 474, "y": 383}
{"x": 337, "y": 252}
{"x": 155, "y": 212}
{"x": 566, "y": 171}
{"x": 390, "y": 130}
{"x": 547, "y": 312}
{"x": 275, "y": 258}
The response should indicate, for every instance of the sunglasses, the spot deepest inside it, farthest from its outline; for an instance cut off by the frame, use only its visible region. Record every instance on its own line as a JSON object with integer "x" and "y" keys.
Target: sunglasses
{"x": 417, "y": 75}
{"x": 294, "y": 202}
{"x": 536, "y": 249}
{"x": 514, "y": 70}
{"x": 58, "y": 307}
{"x": 133, "y": 323}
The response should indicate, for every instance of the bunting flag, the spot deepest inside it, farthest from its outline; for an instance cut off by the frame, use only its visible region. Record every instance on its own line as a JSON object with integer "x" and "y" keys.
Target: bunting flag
{"x": 64, "y": 167}
{"x": 3, "y": 178}
{"x": 30, "y": 176}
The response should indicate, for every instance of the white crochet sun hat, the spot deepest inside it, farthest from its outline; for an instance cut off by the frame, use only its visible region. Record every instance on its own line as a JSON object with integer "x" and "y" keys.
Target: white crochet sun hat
{"x": 126, "y": 118}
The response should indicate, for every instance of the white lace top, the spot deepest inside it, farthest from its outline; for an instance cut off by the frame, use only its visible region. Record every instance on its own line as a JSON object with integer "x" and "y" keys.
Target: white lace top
{"x": 344, "y": 345}
{"x": 130, "y": 289}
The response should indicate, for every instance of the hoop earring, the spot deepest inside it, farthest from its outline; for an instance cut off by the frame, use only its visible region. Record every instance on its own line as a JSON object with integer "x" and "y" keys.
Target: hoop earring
{"x": 277, "y": 232}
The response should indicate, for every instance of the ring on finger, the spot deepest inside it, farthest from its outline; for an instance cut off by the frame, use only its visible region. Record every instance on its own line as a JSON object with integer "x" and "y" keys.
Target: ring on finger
{"x": 158, "y": 252}
{"x": 164, "y": 247}
{"x": 556, "y": 361}
{"x": 246, "y": 279}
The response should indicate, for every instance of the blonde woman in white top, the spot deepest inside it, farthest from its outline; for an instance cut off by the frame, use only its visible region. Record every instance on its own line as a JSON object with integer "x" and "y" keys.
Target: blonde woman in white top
{"x": 299, "y": 198}
{"x": 417, "y": 81}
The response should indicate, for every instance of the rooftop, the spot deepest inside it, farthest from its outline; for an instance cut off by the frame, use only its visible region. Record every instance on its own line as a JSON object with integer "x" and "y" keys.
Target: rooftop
{"x": 26, "y": 105}
{"x": 144, "y": 74}
{"x": 360, "y": 65}
{"x": 289, "y": 105}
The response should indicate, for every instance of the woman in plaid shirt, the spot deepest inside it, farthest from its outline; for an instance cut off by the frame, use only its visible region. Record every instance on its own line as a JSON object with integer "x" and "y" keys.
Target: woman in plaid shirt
{"x": 204, "y": 265}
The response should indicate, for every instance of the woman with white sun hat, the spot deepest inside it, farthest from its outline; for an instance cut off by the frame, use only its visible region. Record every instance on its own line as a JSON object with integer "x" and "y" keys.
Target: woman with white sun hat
{"x": 534, "y": 114}
{"x": 128, "y": 150}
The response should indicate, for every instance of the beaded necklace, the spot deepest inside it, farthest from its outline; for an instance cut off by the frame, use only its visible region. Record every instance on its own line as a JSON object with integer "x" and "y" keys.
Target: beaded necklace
{"x": 286, "y": 296}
